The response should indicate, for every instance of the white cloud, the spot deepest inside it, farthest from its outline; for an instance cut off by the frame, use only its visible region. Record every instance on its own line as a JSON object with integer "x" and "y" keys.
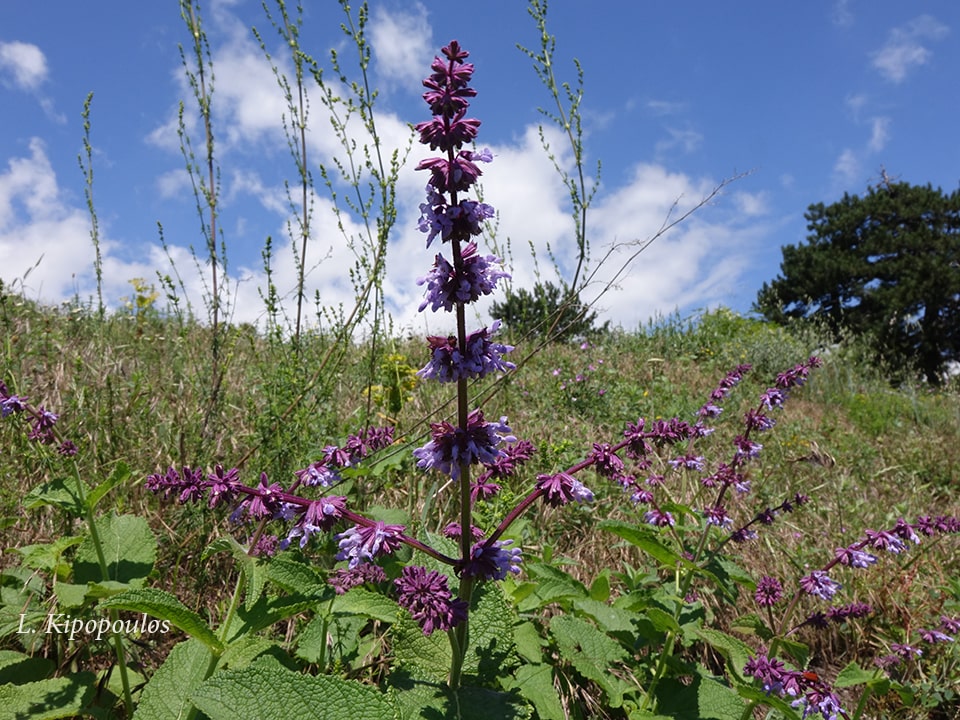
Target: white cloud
{"x": 906, "y": 47}
{"x": 44, "y": 244}
{"x": 879, "y": 133}
{"x": 402, "y": 43}
{"x": 25, "y": 63}
{"x": 665, "y": 107}
{"x": 841, "y": 15}
{"x": 847, "y": 167}
{"x": 686, "y": 139}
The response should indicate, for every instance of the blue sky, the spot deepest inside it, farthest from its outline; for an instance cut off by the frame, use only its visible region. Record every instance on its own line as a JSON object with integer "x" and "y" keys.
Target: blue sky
{"x": 809, "y": 99}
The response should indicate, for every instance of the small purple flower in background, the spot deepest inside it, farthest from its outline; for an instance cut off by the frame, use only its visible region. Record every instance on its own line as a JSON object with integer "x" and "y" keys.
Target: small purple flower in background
{"x": 687, "y": 462}
{"x": 818, "y": 583}
{"x": 361, "y": 544}
{"x": 426, "y": 595}
{"x": 717, "y": 515}
{"x": 949, "y": 624}
{"x": 68, "y": 448}
{"x": 935, "y": 636}
{"x": 769, "y": 591}
{"x": 658, "y": 517}
{"x": 906, "y": 651}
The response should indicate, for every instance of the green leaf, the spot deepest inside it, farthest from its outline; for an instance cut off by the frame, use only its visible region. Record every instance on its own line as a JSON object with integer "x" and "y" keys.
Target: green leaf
{"x": 59, "y": 493}
{"x": 853, "y": 674}
{"x": 752, "y": 624}
{"x": 645, "y": 539}
{"x": 661, "y": 620}
{"x": 267, "y": 691}
{"x": 600, "y": 587}
{"x": 48, "y": 556}
{"x": 167, "y": 695}
{"x": 164, "y": 606}
{"x": 128, "y": 545}
{"x": 535, "y": 683}
{"x": 704, "y": 699}
{"x": 529, "y": 642}
{"x": 591, "y": 652}
{"x": 17, "y": 667}
{"x": 70, "y": 595}
{"x": 736, "y": 652}
{"x": 297, "y": 577}
{"x": 607, "y": 617}
{"x": 359, "y": 601}
{"x": 63, "y": 697}
{"x": 119, "y": 475}
{"x": 270, "y": 610}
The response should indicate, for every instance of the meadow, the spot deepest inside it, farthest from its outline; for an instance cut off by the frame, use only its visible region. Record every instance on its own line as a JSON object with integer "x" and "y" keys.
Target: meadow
{"x": 704, "y": 517}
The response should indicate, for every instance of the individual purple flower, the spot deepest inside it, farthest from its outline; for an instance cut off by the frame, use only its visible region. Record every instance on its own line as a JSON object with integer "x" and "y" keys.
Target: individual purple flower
{"x": 717, "y": 515}
{"x": 687, "y": 462}
{"x": 773, "y": 398}
{"x": 818, "y": 583}
{"x": 745, "y": 448}
{"x": 262, "y": 504}
{"x": 446, "y": 288}
{"x": 344, "y": 579}
{"x": 362, "y": 543}
{"x": 222, "y": 485}
{"x": 884, "y": 540}
{"x": 189, "y": 483}
{"x": 605, "y": 460}
{"x": 511, "y": 457}
{"x": 769, "y": 591}
{"x": 758, "y": 421}
{"x": 318, "y": 473}
{"x": 10, "y": 404}
{"x": 845, "y": 612}
{"x": 454, "y": 530}
{"x": 426, "y": 595}
{"x": 905, "y": 531}
{"x": 492, "y": 561}
{"x": 906, "y": 651}
{"x": 658, "y": 517}
{"x": 769, "y": 671}
{"x": 560, "y": 488}
{"x": 819, "y": 700}
{"x": 949, "y": 624}
{"x": 452, "y": 446}
{"x": 855, "y": 558}
{"x": 448, "y": 132}
{"x": 935, "y": 636}
{"x": 744, "y": 534}
{"x": 68, "y": 448}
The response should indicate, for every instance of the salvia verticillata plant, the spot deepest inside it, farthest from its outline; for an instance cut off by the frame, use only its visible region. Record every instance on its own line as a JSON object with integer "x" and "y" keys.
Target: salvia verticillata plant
{"x": 467, "y": 622}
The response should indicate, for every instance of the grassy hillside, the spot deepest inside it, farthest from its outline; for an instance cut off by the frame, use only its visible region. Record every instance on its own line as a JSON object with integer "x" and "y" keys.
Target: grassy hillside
{"x": 133, "y": 389}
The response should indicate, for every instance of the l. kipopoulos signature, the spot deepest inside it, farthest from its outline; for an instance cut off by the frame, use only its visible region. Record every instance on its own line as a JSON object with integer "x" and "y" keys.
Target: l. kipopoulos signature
{"x": 63, "y": 624}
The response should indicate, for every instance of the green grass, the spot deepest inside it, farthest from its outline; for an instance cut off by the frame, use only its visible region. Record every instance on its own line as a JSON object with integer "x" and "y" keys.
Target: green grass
{"x": 130, "y": 388}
